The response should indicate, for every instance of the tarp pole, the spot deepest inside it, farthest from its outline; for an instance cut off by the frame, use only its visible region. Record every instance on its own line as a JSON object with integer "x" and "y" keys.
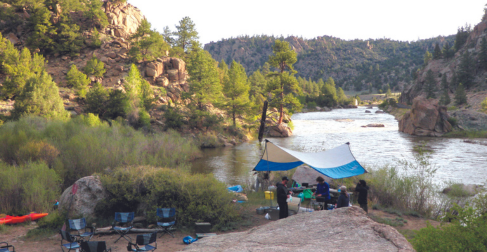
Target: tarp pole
{"x": 268, "y": 169}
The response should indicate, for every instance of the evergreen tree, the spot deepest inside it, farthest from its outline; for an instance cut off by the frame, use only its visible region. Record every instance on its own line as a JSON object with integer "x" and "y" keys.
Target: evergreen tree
{"x": 96, "y": 100}
{"x": 437, "y": 52}
{"x": 78, "y": 80}
{"x": 167, "y": 35}
{"x": 146, "y": 43}
{"x": 205, "y": 84}
{"x": 68, "y": 38}
{"x": 329, "y": 98}
{"x": 222, "y": 71}
{"x": 460, "y": 95}
{"x": 94, "y": 67}
{"x": 43, "y": 32}
{"x": 462, "y": 36}
{"x": 283, "y": 59}
{"x": 447, "y": 51}
{"x": 427, "y": 57}
{"x": 95, "y": 39}
{"x": 186, "y": 34}
{"x": 236, "y": 92}
{"x": 445, "y": 98}
{"x": 430, "y": 85}
{"x": 138, "y": 90}
{"x": 19, "y": 68}
{"x": 257, "y": 83}
{"x": 466, "y": 70}
{"x": 95, "y": 14}
{"x": 342, "y": 98}
{"x": 483, "y": 54}
{"x": 40, "y": 96}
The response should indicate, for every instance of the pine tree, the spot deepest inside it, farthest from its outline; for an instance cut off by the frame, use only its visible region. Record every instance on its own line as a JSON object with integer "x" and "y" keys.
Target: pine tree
{"x": 330, "y": 98}
{"x": 43, "y": 32}
{"x": 222, "y": 71}
{"x": 186, "y": 33}
{"x": 447, "y": 51}
{"x": 462, "y": 36}
{"x": 94, "y": 67}
{"x": 96, "y": 100}
{"x": 40, "y": 96}
{"x": 483, "y": 54}
{"x": 437, "y": 52}
{"x": 460, "y": 95}
{"x": 78, "y": 80}
{"x": 430, "y": 85}
{"x": 257, "y": 83}
{"x": 466, "y": 70}
{"x": 341, "y": 95}
{"x": 283, "y": 59}
{"x": 95, "y": 39}
{"x": 95, "y": 14}
{"x": 236, "y": 92}
{"x": 205, "y": 84}
{"x": 68, "y": 38}
{"x": 146, "y": 43}
{"x": 445, "y": 97}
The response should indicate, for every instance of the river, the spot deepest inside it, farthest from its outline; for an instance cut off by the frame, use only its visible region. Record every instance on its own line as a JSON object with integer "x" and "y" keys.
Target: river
{"x": 456, "y": 160}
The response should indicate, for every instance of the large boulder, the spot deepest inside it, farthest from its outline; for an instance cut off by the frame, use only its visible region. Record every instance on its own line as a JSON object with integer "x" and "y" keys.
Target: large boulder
{"x": 280, "y": 130}
{"x": 90, "y": 192}
{"x": 426, "y": 118}
{"x": 343, "y": 229}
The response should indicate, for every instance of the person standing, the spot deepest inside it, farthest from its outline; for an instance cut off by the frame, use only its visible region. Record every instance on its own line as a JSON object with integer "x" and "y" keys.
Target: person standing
{"x": 343, "y": 199}
{"x": 283, "y": 194}
{"x": 323, "y": 190}
{"x": 362, "y": 189}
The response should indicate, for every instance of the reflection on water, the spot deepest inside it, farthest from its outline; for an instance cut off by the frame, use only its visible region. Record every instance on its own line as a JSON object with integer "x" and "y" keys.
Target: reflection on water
{"x": 317, "y": 131}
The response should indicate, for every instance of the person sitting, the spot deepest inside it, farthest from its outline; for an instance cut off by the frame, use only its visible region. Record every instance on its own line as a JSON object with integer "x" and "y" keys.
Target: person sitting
{"x": 343, "y": 199}
{"x": 323, "y": 191}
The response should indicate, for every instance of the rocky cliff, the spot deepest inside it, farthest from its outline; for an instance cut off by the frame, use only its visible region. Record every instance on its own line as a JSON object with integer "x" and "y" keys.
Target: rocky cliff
{"x": 166, "y": 72}
{"x": 426, "y": 118}
{"x": 343, "y": 229}
{"x": 354, "y": 64}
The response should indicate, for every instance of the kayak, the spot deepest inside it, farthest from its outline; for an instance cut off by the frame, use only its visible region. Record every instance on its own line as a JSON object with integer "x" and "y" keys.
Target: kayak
{"x": 36, "y": 216}
{"x": 15, "y": 219}
{"x": 20, "y": 219}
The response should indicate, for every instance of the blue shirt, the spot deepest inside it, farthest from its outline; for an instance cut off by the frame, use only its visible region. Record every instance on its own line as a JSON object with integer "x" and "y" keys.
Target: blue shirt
{"x": 323, "y": 189}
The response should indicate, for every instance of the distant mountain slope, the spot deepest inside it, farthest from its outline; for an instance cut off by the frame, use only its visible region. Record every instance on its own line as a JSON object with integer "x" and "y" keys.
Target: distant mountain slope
{"x": 355, "y": 64}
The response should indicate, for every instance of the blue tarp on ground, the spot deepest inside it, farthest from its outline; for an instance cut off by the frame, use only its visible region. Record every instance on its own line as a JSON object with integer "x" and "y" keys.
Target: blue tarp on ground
{"x": 336, "y": 163}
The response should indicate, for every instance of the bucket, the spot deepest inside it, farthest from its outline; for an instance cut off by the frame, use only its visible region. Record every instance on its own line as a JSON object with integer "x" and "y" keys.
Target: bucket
{"x": 269, "y": 195}
{"x": 294, "y": 204}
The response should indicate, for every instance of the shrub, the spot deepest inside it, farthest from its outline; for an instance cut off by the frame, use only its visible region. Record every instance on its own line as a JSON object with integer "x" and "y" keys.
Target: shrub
{"x": 196, "y": 197}
{"x": 453, "y": 121}
{"x": 26, "y": 188}
{"x": 84, "y": 149}
{"x": 173, "y": 117}
{"x": 484, "y": 105}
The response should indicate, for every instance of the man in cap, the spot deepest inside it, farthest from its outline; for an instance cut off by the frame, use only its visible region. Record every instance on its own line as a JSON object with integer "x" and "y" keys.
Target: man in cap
{"x": 282, "y": 195}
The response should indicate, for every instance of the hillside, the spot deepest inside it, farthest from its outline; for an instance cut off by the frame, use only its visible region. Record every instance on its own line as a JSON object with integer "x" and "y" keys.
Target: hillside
{"x": 355, "y": 64}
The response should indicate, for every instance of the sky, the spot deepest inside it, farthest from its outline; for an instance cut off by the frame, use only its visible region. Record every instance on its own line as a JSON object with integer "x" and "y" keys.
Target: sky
{"x": 346, "y": 19}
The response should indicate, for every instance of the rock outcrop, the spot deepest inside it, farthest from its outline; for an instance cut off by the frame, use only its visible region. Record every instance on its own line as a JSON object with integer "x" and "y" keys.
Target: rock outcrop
{"x": 123, "y": 19}
{"x": 83, "y": 203}
{"x": 343, "y": 229}
{"x": 281, "y": 130}
{"x": 470, "y": 120}
{"x": 426, "y": 118}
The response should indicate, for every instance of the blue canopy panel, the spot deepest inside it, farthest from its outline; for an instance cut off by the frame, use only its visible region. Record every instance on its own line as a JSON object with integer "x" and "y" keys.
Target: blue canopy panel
{"x": 335, "y": 163}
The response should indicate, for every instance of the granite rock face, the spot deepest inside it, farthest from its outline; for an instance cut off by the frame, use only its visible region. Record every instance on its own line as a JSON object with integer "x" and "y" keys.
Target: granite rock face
{"x": 343, "y": 229}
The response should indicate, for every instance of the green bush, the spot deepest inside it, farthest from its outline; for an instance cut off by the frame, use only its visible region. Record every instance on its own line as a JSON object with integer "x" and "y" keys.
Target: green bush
{"x": 27, "y": 188}
{"x": 84, "y": 149}
{"x": 484, "y": 105}
{"x": 453, "y": 121}
{"x": 197, "y": 198}
{"x": 78, "y": 80}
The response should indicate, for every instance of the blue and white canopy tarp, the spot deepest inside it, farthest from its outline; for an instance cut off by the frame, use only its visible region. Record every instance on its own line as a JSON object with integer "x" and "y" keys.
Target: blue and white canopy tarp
{"x": 336, "y": 163}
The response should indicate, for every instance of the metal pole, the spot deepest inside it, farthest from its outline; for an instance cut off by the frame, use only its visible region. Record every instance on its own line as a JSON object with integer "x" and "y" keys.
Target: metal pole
{"x": 268, "y": 169}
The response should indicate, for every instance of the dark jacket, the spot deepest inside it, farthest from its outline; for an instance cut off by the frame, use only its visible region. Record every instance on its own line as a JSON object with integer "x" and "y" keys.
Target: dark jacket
{"x": 281, "y": 193}
{"x": 324, "y": 190}
{"x": 343, "y": 200}
{"x": 362, "y": 190}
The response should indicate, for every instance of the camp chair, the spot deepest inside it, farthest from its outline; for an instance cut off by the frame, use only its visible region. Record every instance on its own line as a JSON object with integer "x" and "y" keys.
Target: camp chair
{"x": 123, "y": 219}
{"x": 79, "y": 224}
{"x": 142, "y": 243}
{"x": 94, "y": 246}
{"x": 167, "y": 219}
{"x": 73, "y": 243}
{"x": 4, "y": 247}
